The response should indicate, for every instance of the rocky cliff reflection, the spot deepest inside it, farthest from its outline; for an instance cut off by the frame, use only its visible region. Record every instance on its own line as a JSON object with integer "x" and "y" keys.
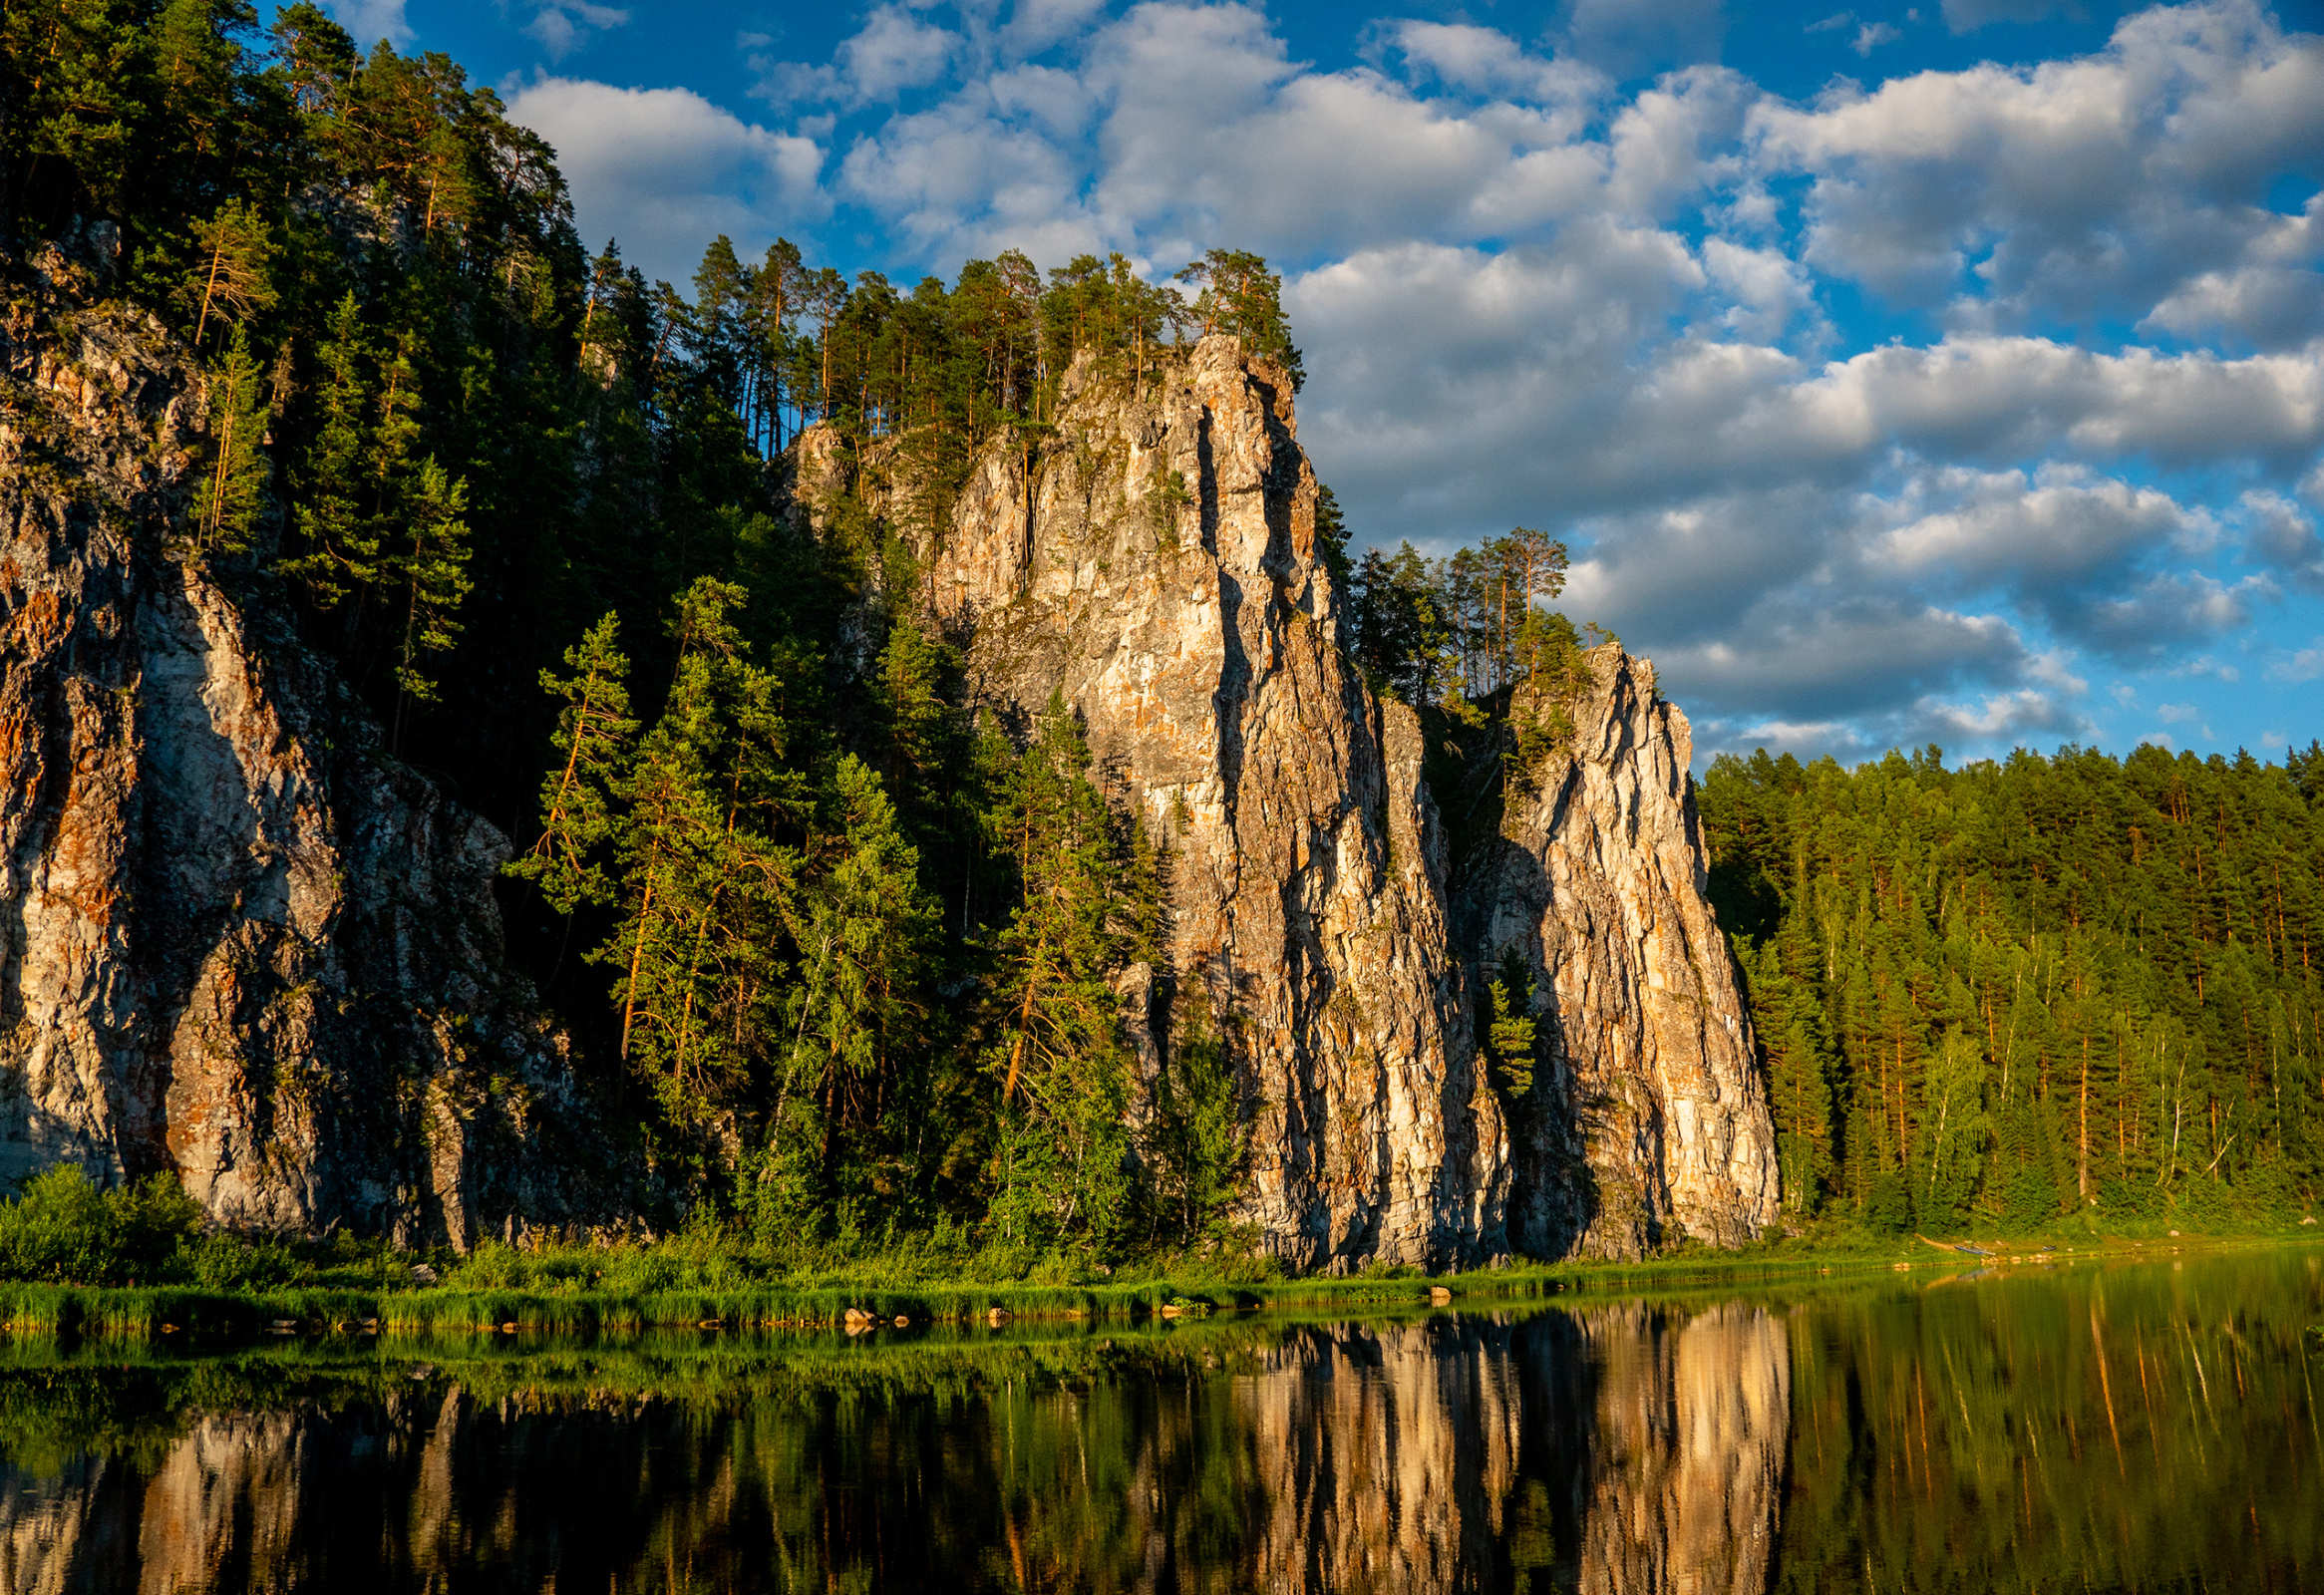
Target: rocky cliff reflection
{"x": 1622, "y": 1448}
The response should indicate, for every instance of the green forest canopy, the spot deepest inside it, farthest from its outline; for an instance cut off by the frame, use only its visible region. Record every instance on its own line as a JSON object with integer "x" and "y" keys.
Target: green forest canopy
{"x": 1995, "y": 994}
{"x": 838, "y": 949}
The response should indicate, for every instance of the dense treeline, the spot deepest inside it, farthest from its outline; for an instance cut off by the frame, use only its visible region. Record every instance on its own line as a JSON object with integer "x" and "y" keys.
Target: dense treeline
{"x": 841, "y": 952}
{"x": 1993, "y": 995}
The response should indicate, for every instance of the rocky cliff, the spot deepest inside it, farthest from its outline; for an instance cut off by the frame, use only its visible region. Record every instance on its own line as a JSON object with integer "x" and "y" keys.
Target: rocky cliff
{"x": 245, "y": 946}
{"x": 1651, "y": 1117}
{"x": 236, "y": 941}
{"x": 1155, "y": 561}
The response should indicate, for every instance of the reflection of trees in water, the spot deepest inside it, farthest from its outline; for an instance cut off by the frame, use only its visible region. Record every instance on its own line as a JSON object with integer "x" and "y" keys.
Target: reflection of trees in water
{"x": 1619, "y": 1448}
{"x": 2146, "y": 1431}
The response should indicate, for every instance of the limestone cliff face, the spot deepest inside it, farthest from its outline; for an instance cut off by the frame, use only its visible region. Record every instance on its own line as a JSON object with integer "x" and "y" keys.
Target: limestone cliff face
{"x": 1156, "y": 563}
{"x": 236, "y": 942}
{"x": 1651, "y": 1116}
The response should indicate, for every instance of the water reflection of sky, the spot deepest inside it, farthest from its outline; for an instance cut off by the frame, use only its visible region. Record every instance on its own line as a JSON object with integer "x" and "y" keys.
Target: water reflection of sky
{"x": 2143, "y": 1427}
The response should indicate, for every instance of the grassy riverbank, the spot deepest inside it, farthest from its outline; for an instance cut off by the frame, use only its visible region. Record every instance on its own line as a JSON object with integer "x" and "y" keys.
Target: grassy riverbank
{"x": 462, "y": 1303}
{"x": 138, "y": 1264}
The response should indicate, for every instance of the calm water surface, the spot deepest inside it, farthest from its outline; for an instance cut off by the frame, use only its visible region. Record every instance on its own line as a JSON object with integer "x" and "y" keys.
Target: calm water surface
{"x": 2149, "y": 1427}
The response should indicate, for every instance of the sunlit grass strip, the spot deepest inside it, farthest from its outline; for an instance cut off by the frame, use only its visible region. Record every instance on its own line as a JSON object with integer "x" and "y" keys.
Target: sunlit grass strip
{"x": 141, "y": 1312}
{"x": 39, "y": 1311}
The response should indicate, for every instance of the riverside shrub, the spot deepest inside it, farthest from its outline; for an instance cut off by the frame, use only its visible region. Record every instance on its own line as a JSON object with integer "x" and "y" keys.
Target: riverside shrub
{"x": 64, "y": 1230}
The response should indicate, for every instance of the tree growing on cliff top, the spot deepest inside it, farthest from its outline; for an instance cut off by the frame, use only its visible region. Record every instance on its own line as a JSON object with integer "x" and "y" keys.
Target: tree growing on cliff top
{"x": 1239, "y": 295}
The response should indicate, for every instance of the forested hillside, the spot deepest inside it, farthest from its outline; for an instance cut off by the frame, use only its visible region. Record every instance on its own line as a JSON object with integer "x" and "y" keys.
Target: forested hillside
{"x": 836, "y": 950}
{"x": 2009, "y": 991}
{"x": 829, "y": 946}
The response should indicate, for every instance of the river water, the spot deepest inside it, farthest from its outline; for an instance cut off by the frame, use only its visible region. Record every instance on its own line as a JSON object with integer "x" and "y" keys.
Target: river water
{"x": 2149, "y": 1425}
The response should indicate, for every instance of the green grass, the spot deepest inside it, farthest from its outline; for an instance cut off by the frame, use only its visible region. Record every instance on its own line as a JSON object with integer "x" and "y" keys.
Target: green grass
{"x": 710, "y": 1276}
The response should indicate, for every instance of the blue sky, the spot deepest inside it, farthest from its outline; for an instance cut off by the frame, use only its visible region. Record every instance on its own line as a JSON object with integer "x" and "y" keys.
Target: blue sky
{"x": 1897, "y": 374}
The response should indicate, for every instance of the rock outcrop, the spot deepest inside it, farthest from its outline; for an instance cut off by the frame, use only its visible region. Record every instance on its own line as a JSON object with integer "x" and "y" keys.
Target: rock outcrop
{"x": 1156, "y": 563}
{"x": 243, "y": 945}
{"x": 1651, "y": 1116}
{"x": 236, "y": 941}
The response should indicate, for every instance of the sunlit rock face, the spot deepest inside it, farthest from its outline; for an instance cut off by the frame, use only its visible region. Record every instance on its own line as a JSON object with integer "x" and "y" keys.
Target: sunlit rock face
{"x": 236, "y": 942}
{"x": 1154, "y": 562}
{"x": 1651, "y": 1115}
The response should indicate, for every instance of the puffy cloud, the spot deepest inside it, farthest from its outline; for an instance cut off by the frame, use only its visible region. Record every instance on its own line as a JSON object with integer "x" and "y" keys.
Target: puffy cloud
{"x": 983, "y": 172}
{"x": 1484, "y": 61}
{"x": 2000, "y": 528}
{"x": 370, "y": 20}
{"x": 562, "y": 26}
{"x": 2283, "y": 538}
{"x": 2304, "y": 665}
{"x": 664, "y": 171}
{"x": 1212, "y": 135}
{"x": 894, "y": 51}
{"x": 2272, "y": 296}
{"x": 2072, "y": 188}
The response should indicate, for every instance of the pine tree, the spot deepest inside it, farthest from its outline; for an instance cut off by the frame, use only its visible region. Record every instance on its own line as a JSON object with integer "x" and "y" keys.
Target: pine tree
{"x": 234, "y": 480}
{"x": 232, "y": 278}
{"x": 592, "y": 734}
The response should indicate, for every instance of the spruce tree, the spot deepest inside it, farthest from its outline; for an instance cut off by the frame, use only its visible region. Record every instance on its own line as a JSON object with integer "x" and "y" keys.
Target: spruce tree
{"x": 1057, "y": 1051}
{"x": 432, "y": 570}
{"x": 340, "y": 549}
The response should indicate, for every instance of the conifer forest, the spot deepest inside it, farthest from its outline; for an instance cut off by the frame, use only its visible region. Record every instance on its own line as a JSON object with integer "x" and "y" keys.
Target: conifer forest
{"x": 835, "y": 952}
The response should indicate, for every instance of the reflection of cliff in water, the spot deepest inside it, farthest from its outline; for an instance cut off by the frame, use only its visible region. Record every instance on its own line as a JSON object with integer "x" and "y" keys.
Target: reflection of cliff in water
{"x": 1687, "y": 1449}
{"x": 1620, "y": 1449}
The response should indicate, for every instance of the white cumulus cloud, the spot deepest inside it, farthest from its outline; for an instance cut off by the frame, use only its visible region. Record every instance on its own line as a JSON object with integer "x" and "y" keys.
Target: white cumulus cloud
{"x": 664, "y": 171}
